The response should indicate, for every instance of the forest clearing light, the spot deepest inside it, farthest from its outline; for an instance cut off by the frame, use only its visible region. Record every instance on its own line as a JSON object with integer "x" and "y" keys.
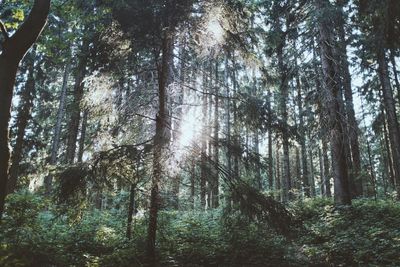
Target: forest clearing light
{"x": 190, "y": 128}
{"x": 212, "y": 35}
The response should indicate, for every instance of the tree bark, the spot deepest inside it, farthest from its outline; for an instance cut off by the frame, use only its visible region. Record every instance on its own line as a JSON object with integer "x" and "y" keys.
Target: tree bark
{"x": 82, "y": 136}
{"x": 352, "y": 125}
{"x": 390, "y": 109}
{"x": 304, "y": 175}
{"x": 215, "y": 183}
{"x": 75, "y": 108}
{"x": 14, "y": 49}
{"x": 161, "y": 140}
{"x": 24, "y": 111}
{"x": 330, "y": 96}
{"x": 131, "y": 211}
{"x": 48, "y": 180}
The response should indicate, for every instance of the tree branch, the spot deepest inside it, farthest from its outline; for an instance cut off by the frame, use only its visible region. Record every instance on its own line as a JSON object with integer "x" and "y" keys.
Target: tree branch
{"x": 4, "y": 30}
{"x": 19, "y": 43}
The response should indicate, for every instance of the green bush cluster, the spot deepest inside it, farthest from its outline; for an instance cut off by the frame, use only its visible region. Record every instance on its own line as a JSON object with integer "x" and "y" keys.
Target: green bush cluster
{"x": 34, "y": 233}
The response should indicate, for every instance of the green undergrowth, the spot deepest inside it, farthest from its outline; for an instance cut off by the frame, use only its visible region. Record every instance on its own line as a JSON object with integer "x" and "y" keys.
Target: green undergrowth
{"x": 34, "y": 233}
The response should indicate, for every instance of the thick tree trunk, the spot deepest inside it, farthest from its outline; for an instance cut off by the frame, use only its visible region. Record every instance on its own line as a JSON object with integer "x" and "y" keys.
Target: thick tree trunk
{"x": 330, "y": 97}
{"x": 14, "y": 49}
{"x": 161, "y": 140}
{"x": 352, "y": 125}
{"x": 75, "y": 108}
{"x": 24, "y": 111}
{"x": 390, "y": 109}
{"x": 388, "y": 152}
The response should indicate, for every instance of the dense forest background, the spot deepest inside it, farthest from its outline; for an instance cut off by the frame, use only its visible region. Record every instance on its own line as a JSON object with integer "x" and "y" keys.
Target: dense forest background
{"x": 199, "y": 133}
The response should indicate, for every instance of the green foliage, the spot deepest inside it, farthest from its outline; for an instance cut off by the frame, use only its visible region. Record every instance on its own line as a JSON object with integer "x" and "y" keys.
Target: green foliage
{"x": 365, "y": 234}
{"x": 32, "y": 233}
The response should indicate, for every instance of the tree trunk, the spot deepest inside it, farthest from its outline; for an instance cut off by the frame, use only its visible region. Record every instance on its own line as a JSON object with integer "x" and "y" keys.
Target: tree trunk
{"x": 24, "y": 111}
{"x": 192, "y": 184}
{"x": 283, "y": 97}
{"x": 131, "y": 211}
{"x": 278, "y": 188}
{"x": 161, "y": 139}
{"x": 327, "y": 172}
{"x": 352, "y": 126}
{"x": 14, "y": 49}
{"x": 330, "y": 97}
{"x": 390, "y": 109}
{"x": 203, "y": 163}
{"x": 215, "y": 186}
{"x": 304, "y": 174}
{"x": 82, "y": 135}
{"x": 75, "y": 108}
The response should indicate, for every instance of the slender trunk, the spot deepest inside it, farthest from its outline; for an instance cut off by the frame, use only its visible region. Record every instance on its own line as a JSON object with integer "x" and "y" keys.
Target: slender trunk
{"x": 24, "y": 111}
{"x": 304, "y": 175}
{"x": 131, "y": 211}
{"x": 330, "y": 97}
{"x": 321, "y": 173}
{"x": 312, "y": 174}
{"x": 327, "y": 172}
{"x": 228, "y": 118}
{"x": 278, "y": 174}
{"x": 283, "y": 97}
{"x": 203, "y": 167}
{"x": 236, "y": 142}
{"x": 270, "y": 152}
{"x": 48, "y": 180}
{"x": 259, "y": 182}
{"x": 14, "y": 49}
{"x": 75, "y": 108}
{"x": 192, "y": 184}
{"x": 82, "y": 136}
{"x": 215, "y": 185}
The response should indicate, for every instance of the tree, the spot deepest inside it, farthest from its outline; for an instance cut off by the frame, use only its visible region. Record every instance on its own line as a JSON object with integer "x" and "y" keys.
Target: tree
{"x": 330, "y": 96}
{"x": 14, "y": 49}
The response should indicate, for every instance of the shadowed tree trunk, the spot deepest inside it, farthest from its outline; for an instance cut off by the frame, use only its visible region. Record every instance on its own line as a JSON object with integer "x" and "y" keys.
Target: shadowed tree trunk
{"x": 82, "y": 136}
{"x": 352, "y": 125}
{"x": 14, "y": 49}
{"x": 393, "y": 125}
{"x": 215, "y": 182}
{"x": 330, "y": 96}
{"x": 57, "y": 128}
{"x": 24, "y": 111}
{"x": 161, "y": 139}
{"x": 131, "y": 211}
{"x": 75, "y": 117}
{"x": 203, "y": 160}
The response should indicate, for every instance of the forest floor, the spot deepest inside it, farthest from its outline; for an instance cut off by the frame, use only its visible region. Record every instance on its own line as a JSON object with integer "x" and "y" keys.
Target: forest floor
{"x": 366, "y": 234}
